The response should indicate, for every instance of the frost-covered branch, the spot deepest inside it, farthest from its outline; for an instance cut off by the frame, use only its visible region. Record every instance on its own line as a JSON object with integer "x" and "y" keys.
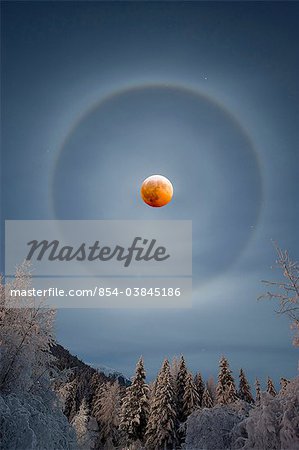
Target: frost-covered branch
{"x": 287, "y": 290}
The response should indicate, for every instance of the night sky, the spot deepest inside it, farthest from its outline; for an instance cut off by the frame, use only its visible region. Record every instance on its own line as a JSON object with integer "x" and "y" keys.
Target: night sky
{"x": 96, "y": 96}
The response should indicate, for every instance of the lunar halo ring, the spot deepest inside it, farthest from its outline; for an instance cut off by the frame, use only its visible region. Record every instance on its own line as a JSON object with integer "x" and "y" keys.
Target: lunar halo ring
{"x": 181, "y": 88}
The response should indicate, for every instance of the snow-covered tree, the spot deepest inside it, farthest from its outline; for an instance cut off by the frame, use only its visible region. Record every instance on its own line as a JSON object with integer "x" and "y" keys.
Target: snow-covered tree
{"x": 191, "y": 397}
{"x": 274, "y": 424}
{"x": 257, "y": 392}
{"x": 225, "y": 390}
{"x": 199, "y": 383}
{"x": 207, "y": 401}
{"x": 289, "y": 425}
{"x": 181, "y": 382}
{"x": 26, "y": 335}
{"x": 30, "y": 412}
{"x": 283, "y": 384}
{"x": 85, "y": 438}
{"x": 212, "y": 428}
{"x": 270, "y": 387}
{"x": 29, "y": 421}
{"x": 287, "y": 290}
{"x": 135, "y": 406}
{"x": 244, "y": 388}
{"x": 68, "y": 392}
{"x": 106, "y": 410}
{"x": 162, "y": 423}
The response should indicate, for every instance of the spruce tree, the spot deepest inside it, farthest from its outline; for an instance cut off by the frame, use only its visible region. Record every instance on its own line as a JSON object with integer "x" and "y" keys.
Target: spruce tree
{"x": 72, "y": 404}
{"x": 191, "y": 397}
{"x": 207, "y": 401}
{"x": 135, "y": 406}
{"x": 180, "y": 389}
{"x": 270, "y": 387}
{"x": 225, "y": 390}
{"x": 200, "y": 386}
{"x": 257, "y": 392}
{"x": 80, "y": 424}
{"x": 162, "y": 423}
{"x": 283, "y": 384}
{"x": 244, "y": 388}
{"x": 106, "y": 410}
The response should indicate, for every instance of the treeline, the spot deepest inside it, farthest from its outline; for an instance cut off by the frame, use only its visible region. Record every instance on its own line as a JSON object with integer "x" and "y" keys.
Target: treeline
{"x": 83, "y": 381}
{"x": 154, "y": 415}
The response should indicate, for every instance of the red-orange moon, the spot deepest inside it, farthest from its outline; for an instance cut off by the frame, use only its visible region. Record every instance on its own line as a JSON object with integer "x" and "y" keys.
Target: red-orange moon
{"x": 156, "y": 191}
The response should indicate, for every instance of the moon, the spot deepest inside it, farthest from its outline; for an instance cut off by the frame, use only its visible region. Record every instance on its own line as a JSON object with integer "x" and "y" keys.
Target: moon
{"x": 156, "y": 191}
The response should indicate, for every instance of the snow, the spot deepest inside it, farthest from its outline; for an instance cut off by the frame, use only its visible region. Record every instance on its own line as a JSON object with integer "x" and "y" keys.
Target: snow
{"x": 274, "y": 424}
{"x": 210, "y": 428}
{"x": 28, "y": 423}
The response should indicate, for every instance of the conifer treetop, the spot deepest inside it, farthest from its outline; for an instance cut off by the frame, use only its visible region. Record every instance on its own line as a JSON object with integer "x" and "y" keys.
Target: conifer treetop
{"x": 135, "y": 406}
{"x": 207, "y": 401}
{"x": 225, "y": 390}
{"x": 257, "y": 391}
{"x": 162, "y": 423}
{"x": 191, "y": 397}
{"x": 244, "y": 388}
{"x": 270, "y": 387}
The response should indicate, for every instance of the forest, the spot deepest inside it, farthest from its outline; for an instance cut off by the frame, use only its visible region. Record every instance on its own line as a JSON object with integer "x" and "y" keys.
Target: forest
{"x": 50, "y": 399}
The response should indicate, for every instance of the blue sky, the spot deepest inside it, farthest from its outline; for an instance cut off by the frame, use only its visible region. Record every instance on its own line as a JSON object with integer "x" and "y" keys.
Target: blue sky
{"x": 97, "y": 96}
